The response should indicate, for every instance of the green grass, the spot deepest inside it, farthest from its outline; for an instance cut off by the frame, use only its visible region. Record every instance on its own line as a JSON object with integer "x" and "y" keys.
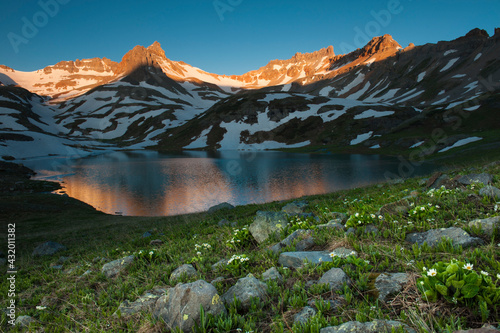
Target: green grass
{"x": 75, "y": 303}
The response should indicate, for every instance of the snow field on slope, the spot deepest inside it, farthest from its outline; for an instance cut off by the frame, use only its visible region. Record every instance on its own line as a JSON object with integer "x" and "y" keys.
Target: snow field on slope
{"x": 361, "y": 138}
{"x": 449, "y": 64}
{"x": 373, "y": 114}
{"x": 200, "y": 141}
{"x": 460, "y": 143}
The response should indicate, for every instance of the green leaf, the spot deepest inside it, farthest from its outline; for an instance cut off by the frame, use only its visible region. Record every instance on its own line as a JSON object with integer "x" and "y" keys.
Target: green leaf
{"x": 452, "y": 268}
{"x": 458, "y": 284}
{"x": 451, "y": 279}
{"x": 471, "y": 278}
{"x": 441, "y": 288}
{"x": 470, "y": 290}
{"x": 430, "y": 295}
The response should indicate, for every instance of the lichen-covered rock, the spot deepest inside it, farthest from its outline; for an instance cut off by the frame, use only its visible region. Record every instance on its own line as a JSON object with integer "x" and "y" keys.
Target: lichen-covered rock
{"x": 483, "y": 178}
{"x": 245, "y": 290}
{"x": 304, "y": 315}
{"x": 144, "y": 303}
{"x": 112, "y": 269}
{"x": 376, "y": 326}
{"x": 181, "y": 307}
{"x": 488, "y": 225}
{"x": 272, "y": 274}
{"x": 299, "y": 258}
{"x": 295, "y": 207}
{"x": 48, "y": 249}
{"x": 388, "y": 284}
{"x": 432, "y": 237}
{"x": 490, "y": 192}
{"x": 24, "y": 321}
{"x": 297, "y": 234}
{"x": 267, "y": 223}
{"x": 186, "y": 270}
{"x": 336, "y": 278}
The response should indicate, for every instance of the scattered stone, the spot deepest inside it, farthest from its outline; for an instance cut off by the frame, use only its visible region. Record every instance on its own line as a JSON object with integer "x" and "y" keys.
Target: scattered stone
{"x": 62, "y": 260}
{"x": 332, "y": 225}
{"x": 223, "y": 223}
{"x": 304, "y": 315}
{"x": 379, "y": 326}
{"x": 48, "y": 249}
{"x": 338, "y": 217}
{"x": 310, "y": 283}
{"x": 350, "y": 231}
{"x": 490, "y": 192}
{"x": 144, "y": 303}
{"x": 24, "y": 321}
{"x": 219, "y": 264}
{"x": 400, "y": 207}
{"x": 224, "y": 205}
{"x": 217, "y": 280}
{"x": 336, "y": 278}
{"x": 485, "y": 329}
{"x": 147, "y": 234}
{"x": 267, "y": 223}
{"x": 295, "y": 207}
{"x": 272, "y": 274}
{"x": 181, "y": 307}
{"x": 186, "y": 270}
{"x": 457, "y": 235}
{"x": 298, "y": 259}
{"x": 156, "y": 242}
{"x": 437, "y": 180}
{"x": 370, "y": 228}
{"x": 57, "y": 267}
{"x": 301, "y": 233}
{"x": 388, "y": 284}
{"x": 87, "y": 272}
{"x": 112, "y": 269}
{"x": 488, "y": 225}
{"x": 483, "y": 178}
{"x": 305, "y": 244}
{"x": 334, "y": 304}
{"x": 245, "y": 290}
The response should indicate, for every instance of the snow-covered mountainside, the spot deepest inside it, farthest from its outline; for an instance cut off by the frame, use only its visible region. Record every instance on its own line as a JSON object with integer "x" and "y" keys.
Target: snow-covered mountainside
{"x": 381, "y": 95}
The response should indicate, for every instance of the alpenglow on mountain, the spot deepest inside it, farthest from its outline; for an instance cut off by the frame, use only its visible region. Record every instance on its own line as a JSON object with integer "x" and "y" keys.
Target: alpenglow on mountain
{"x": 382, "y": 97}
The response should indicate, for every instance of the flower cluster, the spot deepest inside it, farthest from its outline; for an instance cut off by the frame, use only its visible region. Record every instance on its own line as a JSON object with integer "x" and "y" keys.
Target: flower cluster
{"x": 442, "y": 191}
{"x": 424, "y": 212}
{"x": 359, "y": 219}
{"x": 237, "y": 263}
{"x": 241, "y": 237}
{"x": 147, "y": 255}
{"x": 458, "y": 282}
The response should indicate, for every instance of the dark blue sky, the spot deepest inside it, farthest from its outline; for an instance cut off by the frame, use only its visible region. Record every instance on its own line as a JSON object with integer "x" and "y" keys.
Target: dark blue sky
{"x": 225, "y": 36}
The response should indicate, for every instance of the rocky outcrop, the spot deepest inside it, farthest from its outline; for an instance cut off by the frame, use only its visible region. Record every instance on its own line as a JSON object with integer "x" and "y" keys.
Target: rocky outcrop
{"x": 267, "y": 223}
{"x": 141, "y": 56}
{"x": 336, "y": 278}
{"x": 379, "y": 326}
{"x": 112, "y": 269}
{"x": 48, "y": 249}
{"x": 432, "y": 237}
{"x": 186, "y": 270}
{"x": 245, "y": 290}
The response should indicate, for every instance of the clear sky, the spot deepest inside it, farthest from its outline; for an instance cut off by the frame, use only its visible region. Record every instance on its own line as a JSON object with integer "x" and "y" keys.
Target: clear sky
{"x": 225, "y": 36}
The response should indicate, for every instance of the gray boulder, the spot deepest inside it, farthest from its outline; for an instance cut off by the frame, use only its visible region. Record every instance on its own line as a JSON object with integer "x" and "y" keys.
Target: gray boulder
{"x": 112, "y": 269}
{"x": 144, "y": 303}
{"x": 336, "y": 278}
{"x": 458, "y": 236}
{"x": 219, "y": 264}
{"x": 181, "y": 307}
{"x": 272, "y": 274}
{"x": 484, "y": 178}
{"x": 245, "y": 290}
{"x": 224, "y": 205}
{"x": 48, "y": 249}
{"x": 147, "y": 234}
{"x": 490, "y": 192}
{"x": 24, "y": 321}
{"x": 487, "y": 225}
{"x": 267, "y": 223}
{"x": 333, "y": 224}
{"x": 301, "y": 233}
{"x": 388, "y": 284}
{"x": 299, "y": 258}
{"x": 304, "y": 315}
{"x": 295, "y": 207}
{"x": 376, "y": 326}
{"x": 186, "y": 270}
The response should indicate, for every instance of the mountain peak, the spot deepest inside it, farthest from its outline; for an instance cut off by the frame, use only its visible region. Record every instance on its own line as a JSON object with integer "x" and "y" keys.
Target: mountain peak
{"x": 141, "y": 56}
{"x": 381, "y": 44}
{"x": 155, "y": 48}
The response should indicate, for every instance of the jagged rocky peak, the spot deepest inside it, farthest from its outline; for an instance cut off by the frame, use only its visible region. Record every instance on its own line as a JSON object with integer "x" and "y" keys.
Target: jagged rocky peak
{"x": 94, "y": 64}
{"x": 142, "y": 56}
{"x": 381, "y": 44}
{"x": 477, "y": 33}
{"x": 6, "y": 68}
{"x": 324, "y": 52}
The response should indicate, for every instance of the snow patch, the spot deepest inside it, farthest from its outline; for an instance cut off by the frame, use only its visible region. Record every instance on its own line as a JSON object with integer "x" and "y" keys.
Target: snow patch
{"x": 462, "y": 142}
{"x": 449, "y": 64}
{"x": 361, "y": 137}
{"x": 373, "y": 114}
{"x": 418, "y": 144}
{"x": 478, "y": 56}
{"x": 326, "y": 91}
{"x": 201, "y": 141}
{"x": 421, "y": 76}
{"x": 449, "y": 52}
{"x": 473, "y": 108}
{"x": 375, "y": 147}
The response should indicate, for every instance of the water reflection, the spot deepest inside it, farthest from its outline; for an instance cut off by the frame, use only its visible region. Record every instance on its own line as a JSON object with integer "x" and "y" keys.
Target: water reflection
{"x": 154, "y": 184}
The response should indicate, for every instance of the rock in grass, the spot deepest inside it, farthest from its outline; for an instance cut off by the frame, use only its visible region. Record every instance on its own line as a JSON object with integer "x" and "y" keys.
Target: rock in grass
{"x": 485, "y": 329}
{"x": 245, "y": 290}
{"x": 379, "y": 326}
{"x": 48, "y": 249}
{"x": 147, "y": 234}
{"x": 304, "y": 315}
{"x": 488, "y": 225}
{"x": 434, "y": 236}
{"x": 112, "y": 269}
{"x": 490, "y": 192}
{"x": 224, "y": 205}
{"x": 181, "y": 307}
{"x": 484, "y": 178}
{"x": 272, "y": 274}
{"x": 186, "y": 270}
{"x": 24, "y": 321}
{"x": 303, "y": 234}
{"x": 336, "y": 278}
{"x": 294, "y": 208}
{"x": 388, "y": 284}
{"x": 299, "y": 258}
{"x": 144, "y": 303}
{"x": 267, "y": 223}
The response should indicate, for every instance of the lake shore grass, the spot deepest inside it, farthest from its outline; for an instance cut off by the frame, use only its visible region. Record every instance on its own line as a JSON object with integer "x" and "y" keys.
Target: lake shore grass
{"x": 62, "y": 299}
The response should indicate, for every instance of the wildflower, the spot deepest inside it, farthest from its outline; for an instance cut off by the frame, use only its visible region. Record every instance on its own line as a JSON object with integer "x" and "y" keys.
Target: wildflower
{"x": 437, "y": 206}
{"x": 140, "y": 252}
{"x": 367, "y": 262}
{"x": 468, "y": 266}
{"x": 429, "y": 204}
{"x": 372, "y": 216}
{"x": 485, "y": 273}
{"x": 454, "y": 300}
{"x": 332, "y": 255}
{"x": 432, "y": 272}
{"x": 422, "y": 208}
{"x": 39, "y": 307}
{"x": 422, "y": 283}
{"x": 185, "y": 317}
{"x": 198, "y": 253}
{"x": 498, "y": 276}
{"x": 380, "y": 217}
{"x": 424, "y": 269}
{"x": 357, "y": 214}
{"x": 151, "y": 253}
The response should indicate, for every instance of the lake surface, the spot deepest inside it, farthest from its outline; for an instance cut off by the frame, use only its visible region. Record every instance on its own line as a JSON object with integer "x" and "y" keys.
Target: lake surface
{"x": 145, "y": 183}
